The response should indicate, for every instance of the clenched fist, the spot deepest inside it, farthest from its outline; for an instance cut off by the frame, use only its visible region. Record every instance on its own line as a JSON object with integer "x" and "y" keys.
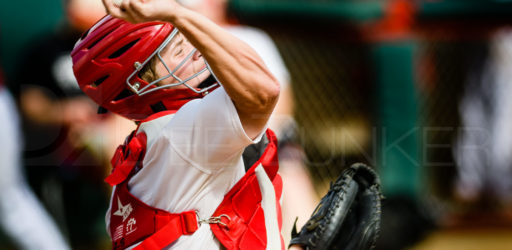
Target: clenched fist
{"x": 137, "y": 11}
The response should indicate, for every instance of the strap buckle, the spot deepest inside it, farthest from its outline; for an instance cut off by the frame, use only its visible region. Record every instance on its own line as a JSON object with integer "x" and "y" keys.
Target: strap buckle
{"x": 213, "y": 220}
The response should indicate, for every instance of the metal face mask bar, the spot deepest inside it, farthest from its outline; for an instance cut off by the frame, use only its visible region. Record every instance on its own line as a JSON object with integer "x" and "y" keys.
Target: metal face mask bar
{"x": 136, "y": 87}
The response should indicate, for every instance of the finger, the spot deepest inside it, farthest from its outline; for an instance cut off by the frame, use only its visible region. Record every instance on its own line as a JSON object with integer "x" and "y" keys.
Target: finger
{"x": 113, "y": 10}
{"x": 131, "y": 16}
{"x": 109, "y": 6}
{"x": 117, "y": 3}
{"x": 136, "y": 8}
{"x": 125, "y": 4}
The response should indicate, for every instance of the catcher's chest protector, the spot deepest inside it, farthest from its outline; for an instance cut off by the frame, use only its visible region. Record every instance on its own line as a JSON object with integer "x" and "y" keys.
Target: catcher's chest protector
{"x": 249, "y": 217}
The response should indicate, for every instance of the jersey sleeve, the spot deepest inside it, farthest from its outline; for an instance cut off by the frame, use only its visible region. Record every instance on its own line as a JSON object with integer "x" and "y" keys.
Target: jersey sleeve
{"x": 208, "y": 133}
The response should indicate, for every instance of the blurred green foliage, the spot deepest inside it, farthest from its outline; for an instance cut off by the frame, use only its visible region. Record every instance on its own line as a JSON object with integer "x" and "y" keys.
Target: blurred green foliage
{"x": 21, "y": 22}
{"x": 464, "y": 8}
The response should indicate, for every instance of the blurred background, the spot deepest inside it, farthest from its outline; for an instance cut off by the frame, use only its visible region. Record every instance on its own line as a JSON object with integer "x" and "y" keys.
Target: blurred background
{"x": 418, "y": 89}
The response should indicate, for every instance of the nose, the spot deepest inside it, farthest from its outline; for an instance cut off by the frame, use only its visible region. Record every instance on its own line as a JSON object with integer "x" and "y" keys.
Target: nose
{"x": 196, "y": 55}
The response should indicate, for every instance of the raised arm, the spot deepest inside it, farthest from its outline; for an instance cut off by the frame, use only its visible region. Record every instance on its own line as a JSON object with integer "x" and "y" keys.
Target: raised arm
{"x": 252, "y": 88}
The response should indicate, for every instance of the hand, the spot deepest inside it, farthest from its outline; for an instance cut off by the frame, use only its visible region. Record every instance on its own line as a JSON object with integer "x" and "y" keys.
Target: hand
{"x": 138, "y": 11}
{"x": 77, "y": 110}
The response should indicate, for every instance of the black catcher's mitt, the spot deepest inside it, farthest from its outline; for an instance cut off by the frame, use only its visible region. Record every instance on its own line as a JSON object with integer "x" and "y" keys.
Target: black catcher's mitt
{"x": 348, "y": 216}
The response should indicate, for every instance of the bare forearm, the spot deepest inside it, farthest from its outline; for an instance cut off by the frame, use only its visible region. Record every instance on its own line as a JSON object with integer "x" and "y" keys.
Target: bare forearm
{"x": 241, "y": 71}
{"x": 247, "y": 81}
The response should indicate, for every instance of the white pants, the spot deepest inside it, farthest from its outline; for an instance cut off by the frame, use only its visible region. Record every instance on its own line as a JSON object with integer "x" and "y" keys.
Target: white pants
{"x": 21, "y": 215}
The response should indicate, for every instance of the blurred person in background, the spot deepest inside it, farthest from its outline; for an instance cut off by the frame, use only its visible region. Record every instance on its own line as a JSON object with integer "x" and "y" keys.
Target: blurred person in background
{"x": 64, "y": 144}
{"x": 484, "y": 147}
{"x": 300, "y": 199}
{"x": 22, "y": 216}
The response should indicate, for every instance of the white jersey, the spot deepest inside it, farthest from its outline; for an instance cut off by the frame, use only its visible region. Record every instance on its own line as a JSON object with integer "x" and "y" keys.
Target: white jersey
{"x": 192, "y": 160}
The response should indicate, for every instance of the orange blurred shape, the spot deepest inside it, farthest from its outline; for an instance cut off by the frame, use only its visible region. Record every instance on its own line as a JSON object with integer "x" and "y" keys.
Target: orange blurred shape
{"x": 399, "y": 16}
{"x": 83, "y": 14}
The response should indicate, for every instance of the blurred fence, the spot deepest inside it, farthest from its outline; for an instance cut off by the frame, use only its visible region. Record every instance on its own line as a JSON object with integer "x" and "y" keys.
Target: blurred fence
{"x": 391, "y": 99}
{"x": 330, "y": 82}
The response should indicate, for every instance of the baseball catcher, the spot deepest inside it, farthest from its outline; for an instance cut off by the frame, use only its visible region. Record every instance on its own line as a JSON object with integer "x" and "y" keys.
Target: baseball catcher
{"x": 200, "y": 97}
{"x": 348, "y": 216}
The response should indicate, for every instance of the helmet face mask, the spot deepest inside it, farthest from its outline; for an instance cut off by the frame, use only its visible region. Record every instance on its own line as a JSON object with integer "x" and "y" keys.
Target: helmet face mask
{"x": 171, "y": 70}
{"x": 109, "y": 62}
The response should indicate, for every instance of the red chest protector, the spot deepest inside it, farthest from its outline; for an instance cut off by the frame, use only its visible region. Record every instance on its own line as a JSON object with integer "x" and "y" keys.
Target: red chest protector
{"x": 238, "y": 223}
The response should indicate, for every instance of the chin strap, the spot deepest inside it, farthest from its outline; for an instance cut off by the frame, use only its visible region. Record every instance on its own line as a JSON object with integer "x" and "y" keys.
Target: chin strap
{"x": 158, "y": 107}
{"x": 207, "y": 82}
{"x": 102, "y": 110}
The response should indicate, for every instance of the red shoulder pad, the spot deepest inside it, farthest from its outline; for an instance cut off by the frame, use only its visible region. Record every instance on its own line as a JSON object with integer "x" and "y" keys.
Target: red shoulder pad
{"x": 126, "y": 157}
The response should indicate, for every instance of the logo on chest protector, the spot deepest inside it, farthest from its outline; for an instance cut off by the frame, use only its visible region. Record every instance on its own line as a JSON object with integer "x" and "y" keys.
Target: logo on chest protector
{"x": 130, "y": 226}
{"x": 124, "y": 211}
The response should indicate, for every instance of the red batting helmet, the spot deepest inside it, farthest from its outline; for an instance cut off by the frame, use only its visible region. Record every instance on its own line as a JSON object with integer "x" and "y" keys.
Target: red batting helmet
{"x": 108, "y": 58}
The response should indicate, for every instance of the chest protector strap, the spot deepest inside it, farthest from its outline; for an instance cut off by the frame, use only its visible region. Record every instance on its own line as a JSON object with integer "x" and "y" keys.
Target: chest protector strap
{"x": 245, "y": 219}
{"x": 131, "y": 220}
{"x": 126, "y": 158}
{"x": 252, "y": 206}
